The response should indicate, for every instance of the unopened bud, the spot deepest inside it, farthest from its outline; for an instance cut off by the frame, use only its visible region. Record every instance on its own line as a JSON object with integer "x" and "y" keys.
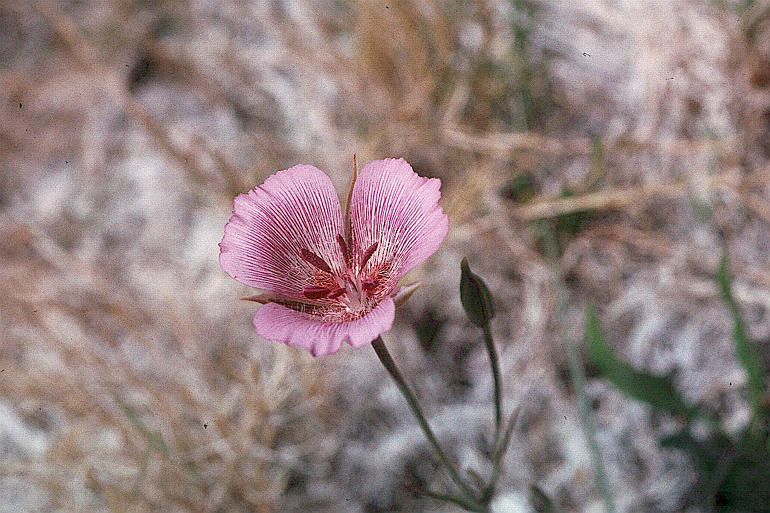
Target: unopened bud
{"x": 475, "y": 296}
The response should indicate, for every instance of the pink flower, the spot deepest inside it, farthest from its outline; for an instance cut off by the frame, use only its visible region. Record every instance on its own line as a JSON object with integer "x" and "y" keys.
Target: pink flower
{"x": 329, "y": 279}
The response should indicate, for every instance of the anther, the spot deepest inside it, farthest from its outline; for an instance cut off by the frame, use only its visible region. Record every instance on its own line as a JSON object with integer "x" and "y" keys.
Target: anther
{"x": 336, "y": 293}
{"x": 314, "y": 260}
{"x": 369, "y": 284}
{"x": 344, "y": 248}
{"x": 368, "y": 254}
{"x": 315, "y": 292}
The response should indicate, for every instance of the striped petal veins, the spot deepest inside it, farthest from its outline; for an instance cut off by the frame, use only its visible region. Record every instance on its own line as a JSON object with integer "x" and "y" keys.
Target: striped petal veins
{"x": 325, "y": 286}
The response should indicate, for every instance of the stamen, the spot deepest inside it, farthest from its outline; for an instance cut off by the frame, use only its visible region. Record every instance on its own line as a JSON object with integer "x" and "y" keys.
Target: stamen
{"x": 314, "y": 260}
{"x": 369, "y": 284}
{"x": 315, "y": 292}
{"x": 344, "y": 248}
{"x": 336, "y": 293}
{"x": 368, "y": 254}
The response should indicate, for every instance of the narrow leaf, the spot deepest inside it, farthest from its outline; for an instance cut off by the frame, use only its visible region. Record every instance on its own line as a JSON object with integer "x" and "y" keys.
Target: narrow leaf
{"x": 658, "y": 391}
{"x": 541, "y": 503}
{"x": 745, "y": 351}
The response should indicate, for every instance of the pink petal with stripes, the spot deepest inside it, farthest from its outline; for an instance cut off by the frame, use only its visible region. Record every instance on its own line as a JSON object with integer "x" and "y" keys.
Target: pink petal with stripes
{"x": 281, "y": 324}
{"x": 393, "y": 206}
{"x": 283, "y": 233}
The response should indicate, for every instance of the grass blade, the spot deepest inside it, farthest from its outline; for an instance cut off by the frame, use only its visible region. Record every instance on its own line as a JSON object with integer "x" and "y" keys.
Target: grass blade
{"x": 745, "y": 351}
{"x": 657, "y": 391}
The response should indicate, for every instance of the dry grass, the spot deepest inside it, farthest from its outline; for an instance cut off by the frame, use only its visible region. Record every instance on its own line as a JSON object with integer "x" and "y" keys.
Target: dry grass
{"x": 131, "y": 379}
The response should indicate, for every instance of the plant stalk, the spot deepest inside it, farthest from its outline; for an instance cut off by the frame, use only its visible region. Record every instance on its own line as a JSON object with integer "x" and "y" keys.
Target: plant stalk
{"x": 495, "y": 364}
{"x": 497, "y": 457}
{"x": 387, "y": 361}
{"x": 459, "y": 501}
{"x": 578, "y": 377}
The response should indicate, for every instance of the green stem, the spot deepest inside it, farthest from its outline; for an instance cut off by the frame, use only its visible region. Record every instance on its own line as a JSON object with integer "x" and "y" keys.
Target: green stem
{"x": 578, "y": 378}
{"x": 497, "y": 457}
{"x": 390, "y": 366}
{"x": 493, "y": 362}
{"x": 589, "y": 425}
{"x": 468, "y": 506}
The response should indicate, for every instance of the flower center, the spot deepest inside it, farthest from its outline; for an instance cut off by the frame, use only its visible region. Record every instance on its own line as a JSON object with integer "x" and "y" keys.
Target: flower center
{"x": 357, "y": 289}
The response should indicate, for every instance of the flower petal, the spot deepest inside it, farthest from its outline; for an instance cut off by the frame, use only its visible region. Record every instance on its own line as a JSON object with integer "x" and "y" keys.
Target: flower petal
{"x": 281, "y": 324}
{"x": 294, "y": 212}
{"x": 398, "y": 209}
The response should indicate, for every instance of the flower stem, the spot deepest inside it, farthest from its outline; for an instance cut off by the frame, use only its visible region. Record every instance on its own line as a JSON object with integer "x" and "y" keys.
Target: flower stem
{"x": 387, "y": 361}
{"x": 497, "y": 458}
{"x": 493, "y": 361}
{"x": 454, "y": 500}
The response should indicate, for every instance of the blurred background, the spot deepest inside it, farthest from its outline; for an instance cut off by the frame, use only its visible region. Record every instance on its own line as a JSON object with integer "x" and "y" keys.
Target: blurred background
{"x": 598, "y": 151}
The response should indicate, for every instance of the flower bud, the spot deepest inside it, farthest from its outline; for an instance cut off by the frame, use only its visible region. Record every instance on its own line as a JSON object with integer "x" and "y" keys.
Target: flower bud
{"x": 475, "y": 296}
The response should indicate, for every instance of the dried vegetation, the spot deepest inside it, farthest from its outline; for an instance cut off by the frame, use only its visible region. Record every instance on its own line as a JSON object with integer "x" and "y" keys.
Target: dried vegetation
{"x": 131, "y": 379}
